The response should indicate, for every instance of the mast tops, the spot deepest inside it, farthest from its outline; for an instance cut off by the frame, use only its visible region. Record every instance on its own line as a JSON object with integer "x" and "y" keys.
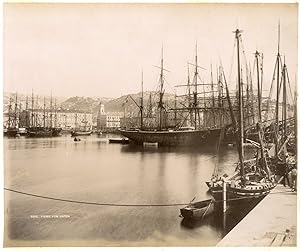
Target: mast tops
{"x": 237, "y": 33}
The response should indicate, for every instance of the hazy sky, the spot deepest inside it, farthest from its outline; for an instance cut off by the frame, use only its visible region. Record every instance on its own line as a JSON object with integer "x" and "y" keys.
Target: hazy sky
{"x": 100, "y": 49}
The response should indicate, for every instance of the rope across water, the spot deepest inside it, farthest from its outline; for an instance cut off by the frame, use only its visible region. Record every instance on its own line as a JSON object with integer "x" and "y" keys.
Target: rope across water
{"x": 117, "y": 204}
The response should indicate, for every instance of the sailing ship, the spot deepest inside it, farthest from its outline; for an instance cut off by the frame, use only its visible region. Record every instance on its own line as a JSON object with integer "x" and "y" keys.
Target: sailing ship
{"x": 11, "y": 129}
{"x": 198, "y": 133}
{"x": 253, "y": 179}
{"x": 81, "y": 130}
{"x": 47, "y": 128}
{"x": 36, "y": 130}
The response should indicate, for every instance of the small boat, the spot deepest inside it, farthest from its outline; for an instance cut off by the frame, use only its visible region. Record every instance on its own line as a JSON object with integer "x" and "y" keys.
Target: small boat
{"x": 119, "y": 141}
{"x": 22, "y": 131}
{"x": 10, "y": 132}
{"x": 198, "y": 209}
{"x": 56, "y": 131}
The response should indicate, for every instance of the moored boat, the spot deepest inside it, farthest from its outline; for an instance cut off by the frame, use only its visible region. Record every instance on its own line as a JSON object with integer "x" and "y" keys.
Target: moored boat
{"x": 80, "y": 133}
{"x": 11, "y": 132}
{"x": 174, "y": 137}
{"x": 39, "y": 132}
{"x": 253, "y": 178}
{"x": 201, "y": 117}
{"x": 198, "y": 210}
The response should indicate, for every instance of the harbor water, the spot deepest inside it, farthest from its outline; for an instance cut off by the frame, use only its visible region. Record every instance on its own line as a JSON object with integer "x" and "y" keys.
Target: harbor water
{"x": 93, "y": 170}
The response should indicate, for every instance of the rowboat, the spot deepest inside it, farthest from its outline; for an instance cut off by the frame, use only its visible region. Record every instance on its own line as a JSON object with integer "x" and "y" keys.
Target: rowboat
{"x": 198, "y": 209}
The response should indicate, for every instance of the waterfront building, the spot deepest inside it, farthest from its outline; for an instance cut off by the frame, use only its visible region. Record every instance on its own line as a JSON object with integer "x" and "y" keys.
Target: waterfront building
{"x": 108, "y": 120}
{"x": 66, "y": 119}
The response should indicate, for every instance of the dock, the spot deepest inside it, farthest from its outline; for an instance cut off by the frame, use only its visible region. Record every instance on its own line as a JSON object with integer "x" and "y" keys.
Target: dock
{"x": 272, "y": 223}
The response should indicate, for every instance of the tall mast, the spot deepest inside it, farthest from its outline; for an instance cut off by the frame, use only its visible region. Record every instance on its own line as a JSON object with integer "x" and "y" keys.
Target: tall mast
{"x": 150, "y": 106}
{"x": 251, "y": 95}
{"x": 160, "y": 104}
{"x": 44, "y": 118}
{"x": 212, "y": 94}
{"x": 284, "y": 103}
{"x": 189, "y": 91}
{"x": 175, "y": 106}
{"x": 240, "y": 97}
{"x": 258, "y": 87}
{"x": 195, "y": 89}
{"x": 142, "y": 101}
{"x": 16, "y": 110}
{"x": 9, "y": 113}
{"x": 51, "y": 110}
{"x": 37, "y": 114}
{"x": 277, "y": 94}
{"x": 19, "y": 117}
{"x": 261, "y": 76}
{"x": 220, "y": 94}
{"x": 55, "y": 114}
{"x": 32, "y": 106}
{"x": 248, "y": 99}
{"x": 26, "y": 114}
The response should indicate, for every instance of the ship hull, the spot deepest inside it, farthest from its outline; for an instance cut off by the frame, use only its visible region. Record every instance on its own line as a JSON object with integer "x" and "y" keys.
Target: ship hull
{"x": 237, "y": 194}
{"x": 174, "y": 138}
{"x": 78, "y": 133}
{"x": 11, "y": 132}
{"x": 39, "y": 133}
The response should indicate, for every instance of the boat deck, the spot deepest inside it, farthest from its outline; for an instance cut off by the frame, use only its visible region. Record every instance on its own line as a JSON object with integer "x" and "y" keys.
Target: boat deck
{"x": 271, "y": 223}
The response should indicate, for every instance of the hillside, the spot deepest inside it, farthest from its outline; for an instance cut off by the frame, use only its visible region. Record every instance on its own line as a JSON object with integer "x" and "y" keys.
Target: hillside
{"x": 86, "y": 104}
{"x": 92, "y": 104}
{"x": 117, "y": 105}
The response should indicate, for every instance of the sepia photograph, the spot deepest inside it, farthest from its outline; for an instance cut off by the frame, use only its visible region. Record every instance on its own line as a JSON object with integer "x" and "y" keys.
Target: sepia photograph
{"x": 150, "y": 124}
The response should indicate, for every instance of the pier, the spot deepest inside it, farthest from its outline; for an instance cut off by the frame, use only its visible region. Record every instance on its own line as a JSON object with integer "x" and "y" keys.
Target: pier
{"x": 271, "y": 223}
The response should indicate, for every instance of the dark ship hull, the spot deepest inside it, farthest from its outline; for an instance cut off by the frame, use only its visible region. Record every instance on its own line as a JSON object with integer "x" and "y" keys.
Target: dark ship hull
{"x": 11, "y": 132}
{"x": 39, "y": 132}
{"x": 174, "y": 138}
{"x": 81, "y": 133}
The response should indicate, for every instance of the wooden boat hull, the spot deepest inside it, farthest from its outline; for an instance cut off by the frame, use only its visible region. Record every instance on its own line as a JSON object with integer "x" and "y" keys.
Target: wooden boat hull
{"x": 119, "y": 141}
{"x": 236, "y": 193}
{"x": 39, "y": 133}
{"x": 174, "y": 138}
{"x": 79, "y": 133}
{"x": 198, "y": 210}
{"x": 11, "y": 132}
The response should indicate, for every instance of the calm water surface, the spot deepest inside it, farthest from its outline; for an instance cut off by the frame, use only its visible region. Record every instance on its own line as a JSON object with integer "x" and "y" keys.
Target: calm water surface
{"x": 96, "y": 171}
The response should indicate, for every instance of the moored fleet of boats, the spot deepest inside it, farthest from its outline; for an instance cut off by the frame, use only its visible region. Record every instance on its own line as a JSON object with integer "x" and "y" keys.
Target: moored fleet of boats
{"x": 207, "y": 115}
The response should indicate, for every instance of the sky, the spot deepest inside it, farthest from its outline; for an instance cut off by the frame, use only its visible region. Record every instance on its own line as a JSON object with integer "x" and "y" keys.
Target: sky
{"x": 102, "y": 49}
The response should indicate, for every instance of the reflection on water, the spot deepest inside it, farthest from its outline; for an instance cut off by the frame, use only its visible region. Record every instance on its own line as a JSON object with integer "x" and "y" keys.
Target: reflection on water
{"x": 94, "y": 170}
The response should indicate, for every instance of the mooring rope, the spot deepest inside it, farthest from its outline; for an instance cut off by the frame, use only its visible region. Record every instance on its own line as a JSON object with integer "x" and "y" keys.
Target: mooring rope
{"x": 126, "y": 205}
{"x": 95, "y": 203}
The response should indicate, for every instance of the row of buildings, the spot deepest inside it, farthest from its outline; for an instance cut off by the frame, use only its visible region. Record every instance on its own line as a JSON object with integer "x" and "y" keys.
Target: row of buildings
{"x": 66, "y": 119}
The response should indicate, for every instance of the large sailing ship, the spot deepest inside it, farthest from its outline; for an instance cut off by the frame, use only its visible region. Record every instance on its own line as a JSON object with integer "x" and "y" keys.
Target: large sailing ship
{"x": 195, "y": 110}
{"x": 83, "y": 129}
{"x": 11, "y": 129}
{"x": 48, "y": 126}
